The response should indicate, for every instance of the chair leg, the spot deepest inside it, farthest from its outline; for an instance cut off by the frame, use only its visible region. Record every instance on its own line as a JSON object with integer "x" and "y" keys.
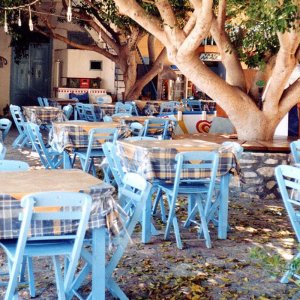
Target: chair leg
{"x": 192, "y": 210}
{"x": 172, "y": 219}
{"x": 204, "y": 226}
{"x": 289, "y": 273}
{"x": 58, "y": 278}
{"x": 15, "y": 269}
{"x": 31, "y": 281}
{"x": 158, "y": 198}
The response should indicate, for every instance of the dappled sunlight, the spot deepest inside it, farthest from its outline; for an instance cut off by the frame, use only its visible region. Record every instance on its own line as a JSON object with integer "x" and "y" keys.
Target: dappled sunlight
{"x": 248, "y": 265}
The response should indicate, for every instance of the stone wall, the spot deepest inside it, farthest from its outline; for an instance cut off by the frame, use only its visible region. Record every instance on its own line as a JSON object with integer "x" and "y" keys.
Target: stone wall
{"x": 258, "y": 170}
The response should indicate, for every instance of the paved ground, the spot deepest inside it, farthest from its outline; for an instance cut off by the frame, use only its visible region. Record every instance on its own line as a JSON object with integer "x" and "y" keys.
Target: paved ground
{"x": 247, "y": 265}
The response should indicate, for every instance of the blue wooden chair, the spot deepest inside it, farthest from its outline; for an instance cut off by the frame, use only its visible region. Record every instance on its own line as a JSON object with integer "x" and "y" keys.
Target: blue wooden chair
{"x": 134, "y": 108}
{"x": 22, "y": 139}
{"x": 133, "y": 193}
{"x": 213, "y": 213}
{"x": 2, "y": 151}
{"x": 167, "y": 107}
{"x": 50, "y": 158}
{"x": 68, "y": 110}
{"x": 97, "y": 136}
{"x": 194, "y": 105}
{"x": 295, "y": 151}
{"x": 40, "y": 101}
{"x": 114, "y": 164}
{"x": 13, "y": 165}
{"x": 80, "y": 111}
{"x": 288, "y": 179}
{"x": 156, "y": 127}
{"x": 74, "y": 207}
{"x": 5, "y": 125}
{"x": 136, "y": 128}
{"x": 201, "y": 189}
{"x": 107, "y": 119}
{"x": 123, "y": 108}
{"x": 89, "y": 112}
{"x": 46, "y": 101}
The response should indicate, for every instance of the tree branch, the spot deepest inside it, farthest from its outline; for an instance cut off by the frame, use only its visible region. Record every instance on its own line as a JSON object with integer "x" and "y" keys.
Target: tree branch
{"x": 285, "y": 63}
{"x": 199, "y": 31}
{"x": 234, "y": 72}
{"x": 222, "y": 14}
{"x": 156, "y": 68}
{"x": 64, "y": 39}
{"x": 152, "y": 24}
{"x": 290, "y": 97}
{"x": 151, "y": 48}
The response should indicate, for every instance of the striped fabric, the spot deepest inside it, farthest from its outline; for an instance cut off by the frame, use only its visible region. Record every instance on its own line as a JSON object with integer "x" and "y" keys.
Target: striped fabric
{"x": 104, "y": 109}
{"x": 156, "y": 159}
{"x": 105, "y": 212}
{"x": 43, "y": 115}
{"x": 71, "y": 135}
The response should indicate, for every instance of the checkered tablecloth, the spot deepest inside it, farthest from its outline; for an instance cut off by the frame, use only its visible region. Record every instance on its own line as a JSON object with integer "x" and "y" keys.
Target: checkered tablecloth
{"x": 156, "y": 160}
{"x": 105, "y": 212}
{"x": 104, "y": 109}
{"x": 68, "y": 136}
{"x": 43, "y": 115}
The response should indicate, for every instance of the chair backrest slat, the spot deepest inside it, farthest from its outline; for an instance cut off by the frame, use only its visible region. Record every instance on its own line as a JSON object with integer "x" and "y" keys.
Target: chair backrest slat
{"x": 288, "y": 179}
{"x": 13, "y": 165}
{"x": 295, "y": 151}
{"x": 5, "y": 125}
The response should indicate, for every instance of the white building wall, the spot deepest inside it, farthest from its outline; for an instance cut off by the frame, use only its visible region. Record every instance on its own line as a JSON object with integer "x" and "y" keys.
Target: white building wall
{"x": 76, "y": 63}
{"x": 5, "y": 51}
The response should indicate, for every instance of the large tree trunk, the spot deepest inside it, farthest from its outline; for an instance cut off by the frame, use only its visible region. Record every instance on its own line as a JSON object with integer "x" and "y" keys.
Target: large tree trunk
{"x": 250, "y": 122}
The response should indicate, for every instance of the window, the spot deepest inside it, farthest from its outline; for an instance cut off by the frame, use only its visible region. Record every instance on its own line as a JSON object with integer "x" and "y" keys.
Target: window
{"x": 79, "y": 37}
{"x": 95, "y": 65}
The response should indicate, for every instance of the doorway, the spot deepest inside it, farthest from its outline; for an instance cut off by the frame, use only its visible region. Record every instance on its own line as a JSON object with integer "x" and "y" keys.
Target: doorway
{"x": 31, "y": 76}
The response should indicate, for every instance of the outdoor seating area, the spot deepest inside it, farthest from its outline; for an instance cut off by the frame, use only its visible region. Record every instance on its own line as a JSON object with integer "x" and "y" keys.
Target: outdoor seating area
{"x": 125, "y": 200}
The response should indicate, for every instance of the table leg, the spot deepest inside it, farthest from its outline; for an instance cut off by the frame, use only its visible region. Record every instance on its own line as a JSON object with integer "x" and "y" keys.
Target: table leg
{"x": 67, "y": 160}
{"x": 98, "y": 264}
{"x": 146, "y": 222}
{"x": 223, "y": 211}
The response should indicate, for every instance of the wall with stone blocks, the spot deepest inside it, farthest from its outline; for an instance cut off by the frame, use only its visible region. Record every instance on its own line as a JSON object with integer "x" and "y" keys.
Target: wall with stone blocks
{"x": 258, "y": 170}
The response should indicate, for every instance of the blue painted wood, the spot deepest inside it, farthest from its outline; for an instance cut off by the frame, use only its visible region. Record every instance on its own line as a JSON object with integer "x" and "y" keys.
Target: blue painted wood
{"x": 156, "y": 127}
{"x": 295, "y": 151}
{"x": 22, "y": 139}
{"x": 96, "y": 134}
{"x": 50, "y": 158}
{"x": 44, "y": 246}
{"x": 201, "y": 189}
{"x": 288, "y": 180}
{"x": 13, "y": 165}
{"x": 5, "y": 125}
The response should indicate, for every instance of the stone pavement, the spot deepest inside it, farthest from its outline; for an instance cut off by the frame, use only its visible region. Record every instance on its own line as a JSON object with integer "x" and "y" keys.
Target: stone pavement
{"x": 247, "y": 265}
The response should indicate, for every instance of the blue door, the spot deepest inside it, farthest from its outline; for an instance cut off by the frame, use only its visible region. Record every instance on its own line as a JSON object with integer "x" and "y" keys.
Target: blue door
{"x": 31, "y": 77}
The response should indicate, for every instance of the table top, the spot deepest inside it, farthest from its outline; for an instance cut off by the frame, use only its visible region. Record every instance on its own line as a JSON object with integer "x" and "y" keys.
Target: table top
{"x": 278, "y": 144}
{"x": 157, "y": 159}
{"x": 18, "y": 184}
{"x": 63, "y": 101}
{"x": 140, "y": 119}
{"x": 15, "y": 185}
{"x": 86, "y": 125}
{"x": 179, "y": 145}
{"x": 41, "y": 108}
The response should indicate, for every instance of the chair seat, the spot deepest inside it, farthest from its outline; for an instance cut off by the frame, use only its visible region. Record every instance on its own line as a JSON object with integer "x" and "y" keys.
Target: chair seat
{"x": 94, "y": 153}
{"x": 184, "y": 188}
{"x": 38, "y": 248}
